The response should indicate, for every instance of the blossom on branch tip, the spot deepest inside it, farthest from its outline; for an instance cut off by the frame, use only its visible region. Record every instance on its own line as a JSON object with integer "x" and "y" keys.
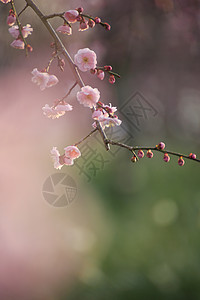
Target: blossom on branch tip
{"x": 43, "y": 79}
{"x": 71, "y": 15}
{"x": 26, "y": 30}
{"x": 88, "y": 96}
{"x": 18, "y": 44}
{"x": 109, "y": 122}
{"x": 65, "y": 29}
{"x": 91, "y": 23}
{"x": 85, "y": 59}
{"x": 72, "y": 152}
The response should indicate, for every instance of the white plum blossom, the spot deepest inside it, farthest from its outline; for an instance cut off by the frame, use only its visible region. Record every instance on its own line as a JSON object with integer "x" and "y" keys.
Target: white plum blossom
{"x": 65, "y": 29}
{"x": 85, "y": 59}
{"x": 26, "y": 30}
{"x": 43, "y": 79}
{"x": 56, "y": 158}
{"x": 56, "y": 112}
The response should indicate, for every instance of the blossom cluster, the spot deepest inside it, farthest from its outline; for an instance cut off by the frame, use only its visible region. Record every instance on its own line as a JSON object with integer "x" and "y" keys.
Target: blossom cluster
{"x": 76, "y": 15}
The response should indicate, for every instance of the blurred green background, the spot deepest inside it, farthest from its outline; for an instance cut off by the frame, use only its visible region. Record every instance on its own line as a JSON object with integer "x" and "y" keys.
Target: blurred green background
{"x": 133, "y": 232}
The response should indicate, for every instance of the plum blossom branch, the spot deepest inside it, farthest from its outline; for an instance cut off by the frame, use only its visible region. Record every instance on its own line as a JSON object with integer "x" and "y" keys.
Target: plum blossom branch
{"x": 23, "y": 9}
{"x": 64, "y": 51}
{"x": 68, "y": 93}
{"x": 19, "y": 26}
{"x": 87, "y": 136}
{"x": 159, "y": 148}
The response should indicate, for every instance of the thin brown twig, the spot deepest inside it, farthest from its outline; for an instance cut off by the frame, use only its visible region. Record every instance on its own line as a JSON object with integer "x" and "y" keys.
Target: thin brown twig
{"x": 87, "y": 136}
{"x": 68, "y": 93}
{"x": 135, "y": 148}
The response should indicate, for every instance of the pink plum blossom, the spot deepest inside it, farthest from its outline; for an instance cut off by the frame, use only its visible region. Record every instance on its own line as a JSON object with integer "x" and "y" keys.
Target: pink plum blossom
{"x": 65, "y": 29}
{"x": 18, "y": 44}
{"x": 71, "y": 15}
{"x": 68, "y": 161}
{"x": 83, "y": 26}
{"x": 72, "y": 152}
{"x": 85, "y": 59}
{"x": 53, "y": 80}
{"x": 110, "y": 109}
{"x": 88, "y": 96}
{"x": 5, "y": 1}
{"x": 43, "y": 79}
{"x": 97, "y": 114}
{"x": 56, "y": 112}
{"x": 56, "y": 158}
{"x": 26, "y": 30}
{"x": 109, "y": 122}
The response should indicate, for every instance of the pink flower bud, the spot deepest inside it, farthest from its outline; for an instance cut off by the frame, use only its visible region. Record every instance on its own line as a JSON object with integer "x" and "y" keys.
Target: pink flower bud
{"x": 93, "y": 71}
{"x": 166, "y": 157}
{"x": 97, "y": 20}
{"x": 133, "y": 158}
{"x": 107, "y": 26}
{"x": 149, "y": 154}
{"x": 107, "y": 68}
{"x": 71, "y": 16}
{"x": 80, "y": 10}
{"x": 192, "y": 155}
{"x": 91, "y": 23}
{"x": 29, "y": 48}
{"x": 112, "y": 79}
{"x": 140, "y": 154}
{"x": 11, "y": 19}
{"x": 100, "y": 74}
{"x": 83, "y": 26}
{"x": 161, "y": 146}
{"x": 181, "y": 162}
{"x": 79, "y": 18}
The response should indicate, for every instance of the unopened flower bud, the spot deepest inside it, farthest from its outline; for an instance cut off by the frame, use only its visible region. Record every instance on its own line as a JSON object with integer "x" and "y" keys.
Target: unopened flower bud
{"x": 107, "y": 26}
{"x": 149, "y": 154}
{"x": 83, "y": 26}
{"x": 140, "y": 154}
{"x": 161, "y": 146}
{"x": 107, "y": 68}
{"x": 192, "y": 155}
{"x": 30, "y": 49}
{"x": 11, "y": 19}
{"x": 166, "y": 157}
{"x": 91, "y": 23}
{"x": 133, "y": 158}
{"x": 93, "y": 71}
{"x": 80, "y": 10}
{"x": 112, "y": 79}
{"x": 181, "y": 161}
{"x": 97, "y": 20}
{"x": 71, "y": 15}
{"x": 100, "y": 74}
